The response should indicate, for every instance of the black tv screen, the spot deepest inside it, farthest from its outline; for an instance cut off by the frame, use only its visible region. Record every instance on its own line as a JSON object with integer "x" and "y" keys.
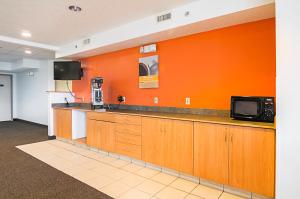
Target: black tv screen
{"x": 67, "y": 70}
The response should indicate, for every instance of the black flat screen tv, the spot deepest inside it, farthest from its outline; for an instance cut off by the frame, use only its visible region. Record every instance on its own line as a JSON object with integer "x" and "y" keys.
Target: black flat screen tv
{"x": 67, "y": 70}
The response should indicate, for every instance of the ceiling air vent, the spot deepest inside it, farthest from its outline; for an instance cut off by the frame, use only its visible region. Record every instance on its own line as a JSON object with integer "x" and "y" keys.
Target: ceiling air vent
{"x": 164, "y": 17}
{"x": 86, "y": 41}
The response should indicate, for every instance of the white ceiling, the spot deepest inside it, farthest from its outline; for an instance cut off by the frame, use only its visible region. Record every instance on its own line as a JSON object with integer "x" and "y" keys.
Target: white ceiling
{"x": 10, "y": 52}
{"x": 53, "y": 25}
{"x": 51, "y": 22}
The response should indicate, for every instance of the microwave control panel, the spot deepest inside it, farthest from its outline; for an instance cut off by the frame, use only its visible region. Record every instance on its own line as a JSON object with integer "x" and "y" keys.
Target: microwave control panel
{"x": 268, "y": 109}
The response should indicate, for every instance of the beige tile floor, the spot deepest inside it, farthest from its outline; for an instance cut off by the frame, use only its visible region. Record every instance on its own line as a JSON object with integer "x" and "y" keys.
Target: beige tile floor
{"x": 116, "y": 177}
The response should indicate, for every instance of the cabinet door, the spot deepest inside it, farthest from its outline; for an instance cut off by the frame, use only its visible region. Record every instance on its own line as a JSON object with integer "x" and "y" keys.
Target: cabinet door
{"x": 153, "y": 140}
{"x": 57, "y": 122}
{"x": 178, "y": 145}
{"x": 92, "y": 138}
{"x": 63, "y": 123}
{"x": 105, "y": 131}
{"x": 211, "y": 152}
{"x": 252, "y": 159}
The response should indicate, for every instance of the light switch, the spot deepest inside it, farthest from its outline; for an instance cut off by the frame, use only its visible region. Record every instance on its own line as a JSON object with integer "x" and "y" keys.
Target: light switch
{"x": 187, "y": 101}
{"x": 155, "y": 100}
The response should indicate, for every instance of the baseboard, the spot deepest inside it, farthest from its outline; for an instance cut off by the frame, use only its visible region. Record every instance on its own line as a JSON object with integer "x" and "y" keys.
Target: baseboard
{"x": 51, "y": 137}
{"x": 29, "y": 122}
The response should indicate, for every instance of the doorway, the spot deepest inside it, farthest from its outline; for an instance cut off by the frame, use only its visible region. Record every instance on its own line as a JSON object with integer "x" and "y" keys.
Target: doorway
{"x": 5, "y": 97}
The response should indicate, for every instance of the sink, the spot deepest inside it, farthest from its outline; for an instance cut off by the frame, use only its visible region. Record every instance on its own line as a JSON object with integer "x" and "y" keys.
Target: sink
{"x": 100, "y": 110}
{"x": 71, "y": 105}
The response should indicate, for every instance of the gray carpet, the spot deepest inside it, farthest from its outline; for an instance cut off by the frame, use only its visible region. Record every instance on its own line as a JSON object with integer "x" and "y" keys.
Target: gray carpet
{"x": 24, "y": 177}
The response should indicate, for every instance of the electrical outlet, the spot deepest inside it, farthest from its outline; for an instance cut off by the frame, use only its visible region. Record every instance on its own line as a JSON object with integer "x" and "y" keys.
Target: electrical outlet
{"x": 155, "y": 100}
{"x": 187, "y": 101}
{"x": 121, "y": 98}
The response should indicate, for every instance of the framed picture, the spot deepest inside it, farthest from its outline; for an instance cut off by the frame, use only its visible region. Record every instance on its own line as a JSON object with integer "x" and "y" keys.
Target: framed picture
{"x": 148, "y": 72}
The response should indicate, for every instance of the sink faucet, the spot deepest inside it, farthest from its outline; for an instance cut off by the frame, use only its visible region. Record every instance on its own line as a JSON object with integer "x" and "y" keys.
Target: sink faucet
{"x": 67, "y": 101}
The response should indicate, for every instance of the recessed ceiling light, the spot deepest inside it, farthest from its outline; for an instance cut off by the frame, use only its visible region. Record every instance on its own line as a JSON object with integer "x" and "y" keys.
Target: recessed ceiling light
{"x": 75, "y": 8}
{"x": 26, "y": 34}
{"x": 28, "y": 52}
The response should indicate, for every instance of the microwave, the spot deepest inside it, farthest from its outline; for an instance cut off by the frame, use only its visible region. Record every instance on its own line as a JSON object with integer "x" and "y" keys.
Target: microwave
{"x": 260, "y": 109}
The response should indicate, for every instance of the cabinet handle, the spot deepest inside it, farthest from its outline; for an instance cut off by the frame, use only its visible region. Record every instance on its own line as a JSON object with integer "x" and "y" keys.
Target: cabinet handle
{"x": 225, "y": 137}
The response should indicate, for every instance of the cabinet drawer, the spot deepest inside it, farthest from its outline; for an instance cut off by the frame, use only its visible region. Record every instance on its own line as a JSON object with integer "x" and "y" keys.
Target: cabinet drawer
{"x": 128, "y": 129}
{"x": 128, "y": 138}
{"x": 108, "y": 117}
{"x": 130, "y": 150}
{"x": 129, "y": 119}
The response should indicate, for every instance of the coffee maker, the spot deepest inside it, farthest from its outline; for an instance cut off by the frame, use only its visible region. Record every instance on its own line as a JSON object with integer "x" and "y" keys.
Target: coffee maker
{"x": 97, "y": 93}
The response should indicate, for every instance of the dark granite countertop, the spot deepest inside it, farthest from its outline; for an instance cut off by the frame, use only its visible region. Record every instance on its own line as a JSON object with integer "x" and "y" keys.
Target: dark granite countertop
{"x": 217, "y": 119}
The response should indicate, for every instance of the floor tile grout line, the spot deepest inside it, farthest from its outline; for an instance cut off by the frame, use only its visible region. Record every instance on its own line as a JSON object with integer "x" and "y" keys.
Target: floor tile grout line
{"x": 119, "y": 168}
{"x": 129, "y": 162}
{"x": 104, "y": 155}
{"x": 81, "y": 180}
{"x": 163, "y": 188}
{"x": 98, "y": 152}
{"x": 221, "y": 194}
{"x": 106, "y": 163}
{"x": 111, "y": 184}
{"x": 119, "y": 180}
{"x": 149, "y": 178}
{"x": 94, "y": 158}
{"x": 191, "y": 192}
{"x": 135, "y": 187}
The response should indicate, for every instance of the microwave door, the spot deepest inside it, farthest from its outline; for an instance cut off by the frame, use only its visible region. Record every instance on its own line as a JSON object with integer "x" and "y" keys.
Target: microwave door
{"x": 247, "y": 109}
{"x": 259, "y": 108}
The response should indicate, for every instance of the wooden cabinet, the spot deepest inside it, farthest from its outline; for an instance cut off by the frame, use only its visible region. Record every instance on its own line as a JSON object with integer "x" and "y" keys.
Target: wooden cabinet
{"x": 128, "y": 138}
{"x": 107, "y": 135}
{"x": 108, "y": 117}
{"x": 130, "y": 150}
{"x": 178, "y": 145}
{"x": 101, "y": 135}
{"x": 129, "y": 129}
{"x": 211, "y": 152}
{"x": 128, "y": 119}
{"x": 92, "y": 138}
{"x": 115, "y": 133}
{"x": 168, "y": 143}
{"x": 242, "y": 157}
{"x": 252, "y": 159}
{"x": 153, "y": 140}
{"x": 63, "y": 123}
{"x": 239, "y": 156}
{"x": 128, "y": 135}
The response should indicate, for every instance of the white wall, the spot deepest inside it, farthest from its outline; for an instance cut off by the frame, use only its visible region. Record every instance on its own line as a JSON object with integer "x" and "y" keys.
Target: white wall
{"x": 32, "y": 99}
{"x": 288, "y": 99}
{"x": 4, "y": 66}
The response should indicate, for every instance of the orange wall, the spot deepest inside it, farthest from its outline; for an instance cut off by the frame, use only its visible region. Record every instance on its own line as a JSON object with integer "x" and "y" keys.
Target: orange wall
{"x": 208, "y": 67}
